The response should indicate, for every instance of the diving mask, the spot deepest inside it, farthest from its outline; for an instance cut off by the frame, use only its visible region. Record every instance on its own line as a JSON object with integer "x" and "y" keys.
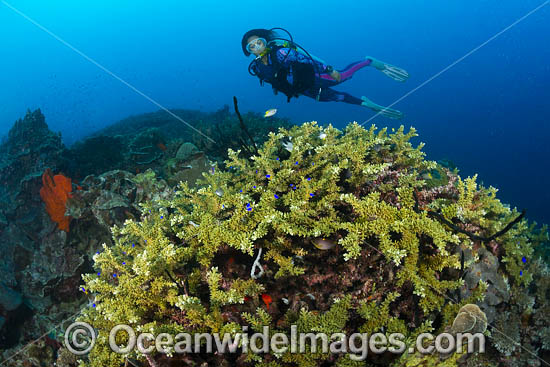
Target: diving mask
{"x": 256, "y": 44}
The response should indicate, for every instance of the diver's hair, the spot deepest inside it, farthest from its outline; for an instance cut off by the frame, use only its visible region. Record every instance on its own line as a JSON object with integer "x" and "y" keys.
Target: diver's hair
{"x": 261, "y": 33}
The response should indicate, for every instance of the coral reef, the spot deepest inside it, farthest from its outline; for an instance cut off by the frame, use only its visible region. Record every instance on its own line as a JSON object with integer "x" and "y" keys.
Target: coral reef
{"x": 187, "y": 264}
{"x": 29, "y": 148}
{"x": 42, "y": 266}
{"x": 96, "y": 155}
{"x": 330, "y": 231}
{"x": 51, "y": 280}
{"x": 27, "y": 151}
{"x": 152, "y": 140}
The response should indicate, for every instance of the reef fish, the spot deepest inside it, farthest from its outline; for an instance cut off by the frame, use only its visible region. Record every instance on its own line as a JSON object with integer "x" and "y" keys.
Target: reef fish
{"x": 288, "y": 146}
{"x": 427, "y": 176}
{"x": 270, "y": 112}
{"x": 323, "y": 243}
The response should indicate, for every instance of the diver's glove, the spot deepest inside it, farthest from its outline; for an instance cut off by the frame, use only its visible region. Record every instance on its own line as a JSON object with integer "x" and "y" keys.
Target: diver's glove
{"x": 392, "y": 71}
{"x": 384, "y": 111}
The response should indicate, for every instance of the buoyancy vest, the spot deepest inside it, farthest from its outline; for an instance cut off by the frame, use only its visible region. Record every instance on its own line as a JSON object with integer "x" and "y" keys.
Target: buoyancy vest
{"x": 301, "y": 76}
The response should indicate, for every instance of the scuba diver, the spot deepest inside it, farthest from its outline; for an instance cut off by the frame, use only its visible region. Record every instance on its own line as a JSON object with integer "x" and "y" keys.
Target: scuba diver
{"x": 290, "y": 69}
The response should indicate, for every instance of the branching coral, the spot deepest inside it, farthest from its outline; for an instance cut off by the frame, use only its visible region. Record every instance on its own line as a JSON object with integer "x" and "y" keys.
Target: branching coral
{"x": 186, "y": 265}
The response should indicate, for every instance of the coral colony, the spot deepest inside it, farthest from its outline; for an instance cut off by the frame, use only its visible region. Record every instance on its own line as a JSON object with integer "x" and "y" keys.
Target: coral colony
{"x": 351, "y": 232}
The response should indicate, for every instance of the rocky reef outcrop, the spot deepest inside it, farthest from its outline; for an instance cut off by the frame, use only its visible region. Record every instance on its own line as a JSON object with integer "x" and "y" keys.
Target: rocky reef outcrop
{"x": 57, "y": 205}
{"x": 26, "y": 152}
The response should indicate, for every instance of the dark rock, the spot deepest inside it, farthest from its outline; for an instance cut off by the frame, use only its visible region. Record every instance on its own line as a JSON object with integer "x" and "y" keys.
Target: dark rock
{"x": 9, "y": 299}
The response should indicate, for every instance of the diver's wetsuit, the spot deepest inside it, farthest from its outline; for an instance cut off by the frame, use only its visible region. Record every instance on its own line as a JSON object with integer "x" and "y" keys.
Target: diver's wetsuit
{"x": 322, "y": 80}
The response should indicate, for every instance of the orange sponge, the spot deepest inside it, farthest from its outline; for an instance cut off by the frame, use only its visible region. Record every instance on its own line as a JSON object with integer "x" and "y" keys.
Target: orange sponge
{"x": 54, "y": 192}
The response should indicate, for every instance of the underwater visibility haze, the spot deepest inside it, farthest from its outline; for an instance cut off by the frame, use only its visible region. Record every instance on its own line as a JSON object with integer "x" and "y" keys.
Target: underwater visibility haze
{"x": 208, "y": 167}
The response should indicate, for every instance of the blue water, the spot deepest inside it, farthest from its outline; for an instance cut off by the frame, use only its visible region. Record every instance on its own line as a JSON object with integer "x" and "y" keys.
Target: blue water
{"x": 488, "y": 113}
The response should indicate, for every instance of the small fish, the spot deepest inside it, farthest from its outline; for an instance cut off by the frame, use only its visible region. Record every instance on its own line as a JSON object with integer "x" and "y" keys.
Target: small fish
{"x": 267, "y": 299}
{"x": 288, "y": 146}
{"x": 219, "y": 192}
{"x": 270, "y": 112}
{"x": 161, "y": 146}
{"x": 323, "y": 243}
{"x": 322, "y": 136}
{"x": 427, "y": 176}
{"x": 193, "y": 223}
